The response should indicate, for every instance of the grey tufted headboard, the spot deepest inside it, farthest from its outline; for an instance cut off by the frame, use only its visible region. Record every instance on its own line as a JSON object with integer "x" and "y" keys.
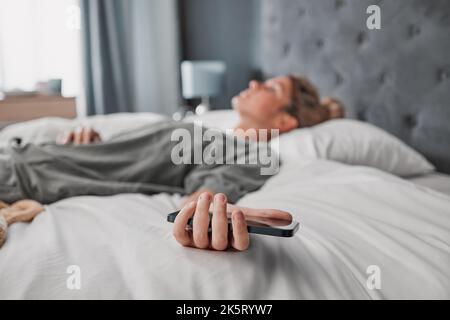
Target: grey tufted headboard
{"x": 397, "y": 78}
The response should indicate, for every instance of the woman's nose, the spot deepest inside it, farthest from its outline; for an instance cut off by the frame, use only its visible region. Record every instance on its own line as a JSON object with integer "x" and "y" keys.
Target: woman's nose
{"x": 254, "y": 84}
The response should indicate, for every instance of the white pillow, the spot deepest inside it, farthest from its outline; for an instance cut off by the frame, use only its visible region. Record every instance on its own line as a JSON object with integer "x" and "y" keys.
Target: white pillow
{"x": 356, "y": 143}
{"x": 218, "y": 119}
{"x": 49, "y": 129}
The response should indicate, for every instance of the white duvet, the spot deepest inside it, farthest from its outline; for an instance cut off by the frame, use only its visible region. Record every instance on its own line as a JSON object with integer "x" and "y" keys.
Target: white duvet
{"x": 351, "y": 218}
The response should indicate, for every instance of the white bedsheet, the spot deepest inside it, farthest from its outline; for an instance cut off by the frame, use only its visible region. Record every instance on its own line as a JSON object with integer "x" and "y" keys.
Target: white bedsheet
{"x": 436, "y": 181}
{"x": 351, "y": 218}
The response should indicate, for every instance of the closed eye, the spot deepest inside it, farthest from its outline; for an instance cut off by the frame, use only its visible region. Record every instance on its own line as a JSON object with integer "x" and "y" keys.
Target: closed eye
{"x": 272, "y": 87}
{"x": 276, "y": 88}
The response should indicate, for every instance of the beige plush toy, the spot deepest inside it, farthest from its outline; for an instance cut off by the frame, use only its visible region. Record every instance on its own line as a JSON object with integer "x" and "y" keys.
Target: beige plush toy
{"x": 21, "y": 211}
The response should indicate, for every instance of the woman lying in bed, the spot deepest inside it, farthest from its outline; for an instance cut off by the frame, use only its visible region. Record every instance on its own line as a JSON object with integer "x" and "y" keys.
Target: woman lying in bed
{"x": 140, "y": 162}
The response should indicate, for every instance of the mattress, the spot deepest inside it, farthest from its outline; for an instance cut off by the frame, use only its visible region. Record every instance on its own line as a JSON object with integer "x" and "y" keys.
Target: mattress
{"x": 353, "y": 220}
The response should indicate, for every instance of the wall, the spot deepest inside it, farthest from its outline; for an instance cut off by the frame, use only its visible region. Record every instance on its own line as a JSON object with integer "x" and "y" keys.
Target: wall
{"x": 223, "y": 30}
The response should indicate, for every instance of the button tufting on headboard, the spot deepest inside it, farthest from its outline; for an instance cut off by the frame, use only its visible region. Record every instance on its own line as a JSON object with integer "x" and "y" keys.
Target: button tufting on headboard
{"x": 410, "y": 121}
{"x": 320, "y": 43}
{"x": 386, "y": 78}
{"x": 286, "y": 49}
{"x": 339, "y": 79}
{"x": 334, "y": 48}
{"x": 361, "y": 115}
{"x": 413, "y": 31}
{"x": 444, "y": 74}
{"x": 301, "y": 12}
{"x": 383, "y": 77}
{"x": 339, "y": 4}
{"x": 361, "y": 38}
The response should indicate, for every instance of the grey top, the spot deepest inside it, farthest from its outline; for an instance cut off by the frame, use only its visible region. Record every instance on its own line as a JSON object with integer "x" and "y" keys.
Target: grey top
{"x": 136, "y": 162}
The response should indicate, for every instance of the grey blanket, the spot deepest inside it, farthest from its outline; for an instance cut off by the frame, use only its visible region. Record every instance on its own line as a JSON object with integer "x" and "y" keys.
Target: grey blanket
{"x": 136, "y": 162}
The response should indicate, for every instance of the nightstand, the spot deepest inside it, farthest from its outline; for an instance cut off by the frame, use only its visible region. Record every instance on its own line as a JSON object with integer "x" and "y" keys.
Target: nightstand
{"x": 23, "y": 108}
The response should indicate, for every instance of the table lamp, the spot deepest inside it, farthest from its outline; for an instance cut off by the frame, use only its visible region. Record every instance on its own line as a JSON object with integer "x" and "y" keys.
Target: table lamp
{"x": 202, "y": 79}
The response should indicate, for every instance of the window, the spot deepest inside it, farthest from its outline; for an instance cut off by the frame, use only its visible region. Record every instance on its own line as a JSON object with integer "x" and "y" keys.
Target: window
{"x": 40, "y": 40}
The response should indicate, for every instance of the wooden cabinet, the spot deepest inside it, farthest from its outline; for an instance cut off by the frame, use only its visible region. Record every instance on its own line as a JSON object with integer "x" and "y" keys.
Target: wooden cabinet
{"x": 23, "y": 108}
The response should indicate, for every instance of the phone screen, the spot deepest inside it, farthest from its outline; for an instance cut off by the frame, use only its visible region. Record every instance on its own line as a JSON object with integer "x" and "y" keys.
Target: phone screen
{"x": 265, "y": 222}
{"x": 259, "y": 225}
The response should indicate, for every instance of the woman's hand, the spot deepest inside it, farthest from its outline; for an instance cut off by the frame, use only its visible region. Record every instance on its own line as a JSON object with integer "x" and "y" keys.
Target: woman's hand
{"x": 198, "y": 236}
{"x": 219, "y": 238}
{"x": 81, "y": 136}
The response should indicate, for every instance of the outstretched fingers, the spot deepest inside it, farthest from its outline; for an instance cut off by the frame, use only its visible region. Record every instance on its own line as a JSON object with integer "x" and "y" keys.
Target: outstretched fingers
{"x": 180, "y": 232}
{"x": 241, "y": 239}
{"x": 219, "y": 223}
{"x": 201, "y": 221}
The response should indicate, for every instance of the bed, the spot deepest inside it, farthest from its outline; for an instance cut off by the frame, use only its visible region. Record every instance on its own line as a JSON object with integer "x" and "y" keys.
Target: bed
{"x": 125, "y": 249}
{"x": 354, "y": 219}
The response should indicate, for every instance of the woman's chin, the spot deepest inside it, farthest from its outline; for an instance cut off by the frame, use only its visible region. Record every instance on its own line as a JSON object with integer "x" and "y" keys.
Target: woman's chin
{"x": 237, "y": 106}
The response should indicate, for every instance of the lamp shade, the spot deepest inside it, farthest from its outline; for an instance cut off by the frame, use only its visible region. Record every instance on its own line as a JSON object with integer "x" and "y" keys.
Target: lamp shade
{"x": 202, "y": 78}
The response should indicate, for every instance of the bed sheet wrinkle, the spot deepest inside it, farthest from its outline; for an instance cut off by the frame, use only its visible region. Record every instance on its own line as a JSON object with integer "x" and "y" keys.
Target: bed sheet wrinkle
{"x": 317, "y": 257}
{"x": 266, "y": 262}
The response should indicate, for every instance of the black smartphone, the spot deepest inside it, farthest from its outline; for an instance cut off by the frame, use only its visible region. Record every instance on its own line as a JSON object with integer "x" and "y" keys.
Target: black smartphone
{"x": 256, "y": 225}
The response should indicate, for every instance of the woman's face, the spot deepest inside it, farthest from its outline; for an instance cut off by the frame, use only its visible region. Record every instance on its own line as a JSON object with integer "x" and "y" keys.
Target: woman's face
{"x": 262, "y": 105}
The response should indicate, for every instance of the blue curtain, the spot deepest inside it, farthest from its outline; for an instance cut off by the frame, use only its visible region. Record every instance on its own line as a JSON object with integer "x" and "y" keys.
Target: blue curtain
{"x": 131, "y": 56}
{"x": 107, "y": 67}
